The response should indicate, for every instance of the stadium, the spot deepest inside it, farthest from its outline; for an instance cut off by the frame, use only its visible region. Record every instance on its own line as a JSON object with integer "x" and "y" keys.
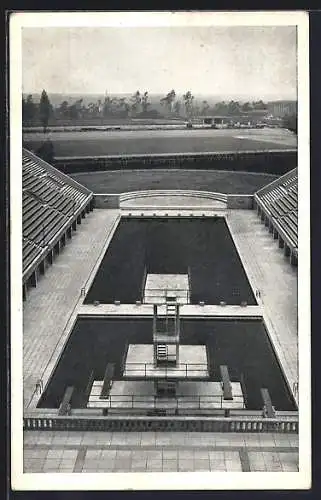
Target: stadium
{"x": 160, "y": 301}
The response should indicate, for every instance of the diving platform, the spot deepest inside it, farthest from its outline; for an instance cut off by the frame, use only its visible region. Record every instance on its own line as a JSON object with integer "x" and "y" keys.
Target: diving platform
{"x": 128, "y": 395}
{"x": 187, "y": 310}
{"x": 159, "y": 286}
{"x": 192, "y": 363}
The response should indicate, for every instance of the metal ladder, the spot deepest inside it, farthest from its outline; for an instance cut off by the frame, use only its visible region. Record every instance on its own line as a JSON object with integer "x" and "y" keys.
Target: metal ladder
{"x": 162, "y": 352}
{"x": 171, "y": 315}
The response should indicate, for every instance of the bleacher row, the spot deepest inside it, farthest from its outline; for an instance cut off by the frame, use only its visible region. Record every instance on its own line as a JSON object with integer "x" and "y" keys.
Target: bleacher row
{"x": 280, "y": 201}
{"x": 49, "y": 202}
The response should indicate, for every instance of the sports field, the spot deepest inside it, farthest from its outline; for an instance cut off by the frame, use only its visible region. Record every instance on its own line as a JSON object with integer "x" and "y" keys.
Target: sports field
{"x": 221, "y": 181}
{"x": 104, "y": 143}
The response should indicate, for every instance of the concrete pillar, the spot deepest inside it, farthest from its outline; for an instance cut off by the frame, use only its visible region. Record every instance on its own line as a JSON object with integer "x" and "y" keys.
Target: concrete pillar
{"x": 293, "y": 259}
{"x": 50, "y": 257}
{"x": 42, "y": 267}
{"x": 34, "y": 279}
{"x": 270, "y": 226}
{"x": 69, "y": 233}
{"x": 275, "y": 234}
{"x": 83, "y": 214}
{"x": 262, "y": 216}
{"x": 281, "y": 242}
{"x": 74, "y": 225}
{"x": 258, "y": 209}
{"x": 57, "y": 248}
{"x": 87, "y": 208}
{"x": 267, "y": 222}
{"x": 287, "y": 251}
{"x": 79, "y": 219}
{"x": 63, "y": 240}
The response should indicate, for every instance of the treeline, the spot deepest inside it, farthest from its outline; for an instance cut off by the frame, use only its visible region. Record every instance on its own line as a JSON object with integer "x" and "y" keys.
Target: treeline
{"x": 138, "y": 105}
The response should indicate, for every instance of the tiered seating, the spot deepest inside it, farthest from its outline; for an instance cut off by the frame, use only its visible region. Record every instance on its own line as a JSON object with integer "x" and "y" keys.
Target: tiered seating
{"x": 280, "y": 200}
{"x": 41, "y": 222}
{"x": 49, "y": 188}
{"x": 30, "y": 252}
{"x": 49, "y": 202}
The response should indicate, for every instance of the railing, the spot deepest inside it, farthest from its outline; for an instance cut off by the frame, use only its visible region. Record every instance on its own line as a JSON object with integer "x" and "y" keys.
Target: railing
{"x": 134, "y": 401}
{"x": 123, "y": 423}
{"x": 181, "y": 370}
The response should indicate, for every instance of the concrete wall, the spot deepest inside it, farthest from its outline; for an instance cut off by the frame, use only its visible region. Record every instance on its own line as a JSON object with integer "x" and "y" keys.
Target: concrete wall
{"x": 190, "y": 193}
{"x": 276, "y": 162}
{"x": 242, "y": 201}
{"x": 106, "y": 200}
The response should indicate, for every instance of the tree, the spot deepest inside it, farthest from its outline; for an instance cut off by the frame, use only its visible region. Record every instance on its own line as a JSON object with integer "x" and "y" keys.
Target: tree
{"x": 246, "y": 107}
{"x": 45, "y": 110}
{"x": 123, "y": 107}
{"x": 145, "y": 103}
{"x": 233, "y": 108}
{"x": 107, "y": 106}
{"x": 188, "y": 102}
{"x": 64, "y": 109}
{"x": 205, "y": 108}
{"x": 28, "y": 109}
{"x": 259, "y": 105}
{"x": 136, "y": 102}
{"x": 168, "y": 100}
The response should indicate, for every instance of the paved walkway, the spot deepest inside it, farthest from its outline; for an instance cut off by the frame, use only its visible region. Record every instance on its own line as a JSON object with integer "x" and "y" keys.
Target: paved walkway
{"x": 159, "y": 452}
{"x": 50, "y": 308}
{"x": 270, "y": 272}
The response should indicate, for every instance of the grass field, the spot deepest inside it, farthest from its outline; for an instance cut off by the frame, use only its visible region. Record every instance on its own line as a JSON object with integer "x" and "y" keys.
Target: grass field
{"x": 120, "y": 181}
{"x": 101, "y": 143}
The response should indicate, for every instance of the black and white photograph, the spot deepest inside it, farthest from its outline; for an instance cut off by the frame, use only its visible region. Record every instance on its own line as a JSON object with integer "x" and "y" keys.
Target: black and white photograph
{"x": 160, "y": 245}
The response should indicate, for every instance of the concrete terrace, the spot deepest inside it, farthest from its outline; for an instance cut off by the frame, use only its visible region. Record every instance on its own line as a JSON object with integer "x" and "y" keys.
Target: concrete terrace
{"x": 67, "y": 452}
{"x": 269, "y": 271}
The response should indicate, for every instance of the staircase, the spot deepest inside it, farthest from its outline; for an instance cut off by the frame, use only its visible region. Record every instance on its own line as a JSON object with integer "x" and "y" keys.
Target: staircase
{"x": 162, "y": 353}
{"x": 171, "y": 315}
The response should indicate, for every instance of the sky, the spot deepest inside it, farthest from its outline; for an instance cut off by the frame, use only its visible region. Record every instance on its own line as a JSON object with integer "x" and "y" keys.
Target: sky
{"x": 222, "y": 60}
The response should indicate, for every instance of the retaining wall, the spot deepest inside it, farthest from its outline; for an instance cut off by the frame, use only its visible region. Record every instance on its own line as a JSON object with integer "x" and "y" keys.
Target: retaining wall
{"x": 276, "y": 162}
{"x": 242, "y": 201}
{"x": 106, "y": 200}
